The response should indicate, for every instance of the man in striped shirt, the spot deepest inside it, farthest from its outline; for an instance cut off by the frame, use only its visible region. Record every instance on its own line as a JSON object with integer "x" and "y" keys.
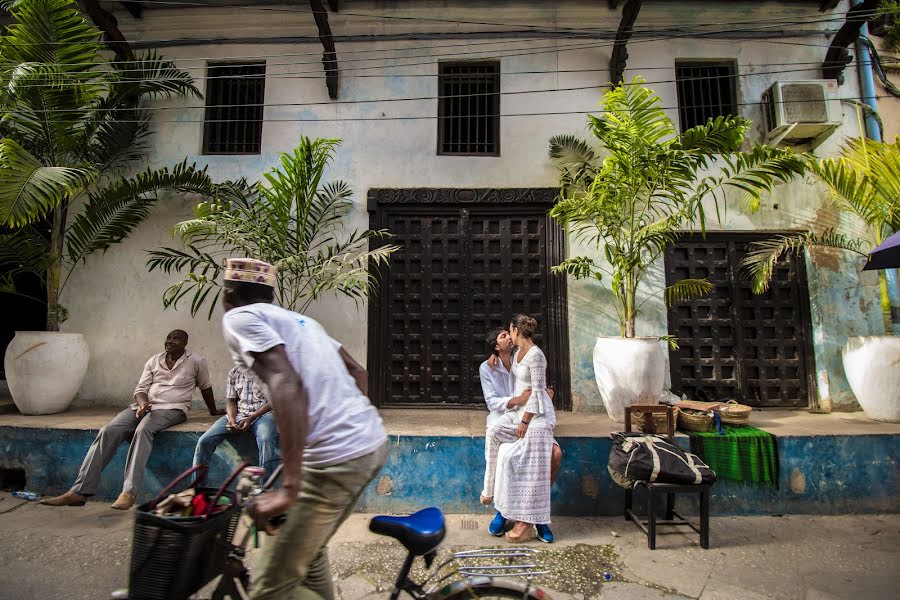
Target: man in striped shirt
{"x": 246, "y": 411}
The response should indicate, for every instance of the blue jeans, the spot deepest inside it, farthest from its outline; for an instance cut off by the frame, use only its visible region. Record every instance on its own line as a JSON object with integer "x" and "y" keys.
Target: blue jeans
{"x": 263, "y": 429}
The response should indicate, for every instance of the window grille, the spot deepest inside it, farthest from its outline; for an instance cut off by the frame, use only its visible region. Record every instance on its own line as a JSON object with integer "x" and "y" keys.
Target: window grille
{"x": 234, "y": 108}
{"x": 469, "y": 108}
{"x": 706, "y": 90}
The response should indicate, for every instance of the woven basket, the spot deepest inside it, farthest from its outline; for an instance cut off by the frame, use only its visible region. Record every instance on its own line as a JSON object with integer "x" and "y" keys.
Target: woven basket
{"x": 658, "y": 424}
{"x": 694, "y": 421}
{"x": 733, "y": 413}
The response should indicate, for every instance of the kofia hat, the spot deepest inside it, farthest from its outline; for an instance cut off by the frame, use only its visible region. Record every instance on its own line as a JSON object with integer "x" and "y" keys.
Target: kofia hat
{"x": 251, "y": 271}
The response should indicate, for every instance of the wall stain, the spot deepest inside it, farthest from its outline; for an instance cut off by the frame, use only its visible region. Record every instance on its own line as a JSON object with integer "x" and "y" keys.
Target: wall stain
{"x": 590, "y": 487}
{"x": 385, "y": 486}
{"x": 798, "y": 482}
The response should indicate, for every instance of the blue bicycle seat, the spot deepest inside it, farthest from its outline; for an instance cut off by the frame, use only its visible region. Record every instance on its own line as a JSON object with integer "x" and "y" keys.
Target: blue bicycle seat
{"x": 420, "y": 532}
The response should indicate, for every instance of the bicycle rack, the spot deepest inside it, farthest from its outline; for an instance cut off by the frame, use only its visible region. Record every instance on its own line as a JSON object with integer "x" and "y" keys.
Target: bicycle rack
{"x": 520, "y": 562}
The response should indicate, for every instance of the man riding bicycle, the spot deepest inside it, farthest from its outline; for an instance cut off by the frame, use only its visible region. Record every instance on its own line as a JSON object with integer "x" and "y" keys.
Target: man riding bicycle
{"x": 333, "y": 442}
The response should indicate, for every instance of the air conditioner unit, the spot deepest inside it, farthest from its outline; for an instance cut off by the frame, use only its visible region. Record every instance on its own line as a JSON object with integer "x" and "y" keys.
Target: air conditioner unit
{"x": 801, "y": 112}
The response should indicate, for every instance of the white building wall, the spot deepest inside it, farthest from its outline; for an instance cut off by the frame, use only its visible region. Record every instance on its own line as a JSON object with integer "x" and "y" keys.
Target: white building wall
{"x": 117, "y": 304}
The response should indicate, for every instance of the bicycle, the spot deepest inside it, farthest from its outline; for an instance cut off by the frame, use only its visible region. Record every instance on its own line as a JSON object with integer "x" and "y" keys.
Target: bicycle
{"x": 460, "y": 577}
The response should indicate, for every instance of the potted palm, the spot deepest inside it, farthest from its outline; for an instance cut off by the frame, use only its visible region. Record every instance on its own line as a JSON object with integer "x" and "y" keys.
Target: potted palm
{"x": 864, "y": 182}
{"x": 632, "y": 199}
{"x": 290, "y": 219}
{"x": 73, "y": 127}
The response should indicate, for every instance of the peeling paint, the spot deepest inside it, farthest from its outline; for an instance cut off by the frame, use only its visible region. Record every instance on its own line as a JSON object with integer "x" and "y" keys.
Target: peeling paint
{"x": 798, "y": 482}
{"x": 385, "y": 486}
{"x": 590, "y": 487}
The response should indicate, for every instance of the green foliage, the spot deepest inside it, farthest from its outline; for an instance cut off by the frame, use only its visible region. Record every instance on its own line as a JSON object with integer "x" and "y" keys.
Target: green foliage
{"x": 73, "y": 125}
{"x": 864, "y": 182}
{"x": 643, "y": 189}
{"x": 290, "y": 219}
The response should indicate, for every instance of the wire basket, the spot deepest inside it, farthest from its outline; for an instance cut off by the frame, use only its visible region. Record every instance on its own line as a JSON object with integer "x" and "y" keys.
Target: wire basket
{"x": 173, "y": 557}
{"x": 733, "y": 413}
{"x": 689, "y": 420}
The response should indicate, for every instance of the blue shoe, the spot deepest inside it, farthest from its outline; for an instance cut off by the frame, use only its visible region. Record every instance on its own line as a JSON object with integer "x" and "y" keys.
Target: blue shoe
{"x": 498, "y": 525}
{"x": 544, "y": 534}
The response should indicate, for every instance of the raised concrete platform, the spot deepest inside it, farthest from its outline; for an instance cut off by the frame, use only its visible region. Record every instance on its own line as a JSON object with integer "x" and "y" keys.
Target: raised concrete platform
{"x": 829, "y": 464}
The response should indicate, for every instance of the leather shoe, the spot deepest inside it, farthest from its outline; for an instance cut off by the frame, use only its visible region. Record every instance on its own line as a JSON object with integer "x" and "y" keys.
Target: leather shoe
{"x": 123, "y": 502}
{"x": 70, "y": 498}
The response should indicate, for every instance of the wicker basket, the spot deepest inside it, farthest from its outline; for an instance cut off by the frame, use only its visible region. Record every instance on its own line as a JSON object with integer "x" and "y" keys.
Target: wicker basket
{"x": 733, "y": 413}
{"x": 658, "y": 424}
{"x": 694, "y": 421}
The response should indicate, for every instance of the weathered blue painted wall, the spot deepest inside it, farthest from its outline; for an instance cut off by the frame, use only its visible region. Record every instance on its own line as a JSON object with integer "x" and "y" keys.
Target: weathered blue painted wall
{"x": 818, "y": 474}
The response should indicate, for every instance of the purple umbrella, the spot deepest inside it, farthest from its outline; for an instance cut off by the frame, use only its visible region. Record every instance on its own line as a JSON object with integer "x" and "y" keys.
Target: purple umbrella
{"x": 885, "y": 256}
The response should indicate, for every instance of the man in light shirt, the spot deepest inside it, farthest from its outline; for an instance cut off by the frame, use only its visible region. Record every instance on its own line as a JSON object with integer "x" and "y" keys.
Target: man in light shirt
{"x": 497, "y": 385}
{"x": 333, "y": 442}
{"x": 247, "y": 413}
{"x": 162, "y": 399}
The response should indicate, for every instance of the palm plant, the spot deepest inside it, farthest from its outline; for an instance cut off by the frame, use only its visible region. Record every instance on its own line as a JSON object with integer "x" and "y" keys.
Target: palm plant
{"x": 864, "y": 182}
{"x": 646, "y": 189}
{"x": 72, "y": 125}
{"x": 290, "y": 219}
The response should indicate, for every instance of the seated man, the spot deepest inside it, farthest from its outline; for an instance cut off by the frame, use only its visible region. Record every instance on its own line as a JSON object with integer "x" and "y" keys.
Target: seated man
{"x": 497, "y": 385}
{"x": 162, "y": 399}
{"x": 247, "y": 411}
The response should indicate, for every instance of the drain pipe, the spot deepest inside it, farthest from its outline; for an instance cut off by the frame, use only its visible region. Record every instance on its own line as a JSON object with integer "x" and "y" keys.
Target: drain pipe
{"x": 873, "y": 131}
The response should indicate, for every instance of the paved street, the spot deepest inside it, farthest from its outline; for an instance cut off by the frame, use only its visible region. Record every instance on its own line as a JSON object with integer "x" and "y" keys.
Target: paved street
{"x": 82, "y": 553}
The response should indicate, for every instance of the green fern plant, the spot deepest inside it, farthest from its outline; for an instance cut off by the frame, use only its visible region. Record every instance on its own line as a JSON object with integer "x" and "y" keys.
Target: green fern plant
{"x": 290, "y": 219}
{"x": 73, "y": 127}
{"x": 642, "y": 190}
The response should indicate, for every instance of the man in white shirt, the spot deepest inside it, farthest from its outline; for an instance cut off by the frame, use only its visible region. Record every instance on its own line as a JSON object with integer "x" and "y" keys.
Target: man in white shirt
{"x": 497, "y": 385}
{"x": 333, "y": 442}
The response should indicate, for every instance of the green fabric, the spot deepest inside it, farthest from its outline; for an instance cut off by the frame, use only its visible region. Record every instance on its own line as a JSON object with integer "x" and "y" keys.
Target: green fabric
{"x": 742, "y": 454}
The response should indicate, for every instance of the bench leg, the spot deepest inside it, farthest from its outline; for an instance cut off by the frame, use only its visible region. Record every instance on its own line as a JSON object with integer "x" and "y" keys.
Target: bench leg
{"x": 704, "y": 519}
{"x": 629, "y": 498}
{"x": 670, "y": 507}
{"x": 651, "y": 519}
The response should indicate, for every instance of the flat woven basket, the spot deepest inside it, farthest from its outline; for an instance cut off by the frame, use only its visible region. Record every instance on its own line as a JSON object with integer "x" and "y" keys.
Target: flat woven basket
{"x": 658, "y": 424}
{"x": 694, "y": 421}
{"x": 733, "y": 413}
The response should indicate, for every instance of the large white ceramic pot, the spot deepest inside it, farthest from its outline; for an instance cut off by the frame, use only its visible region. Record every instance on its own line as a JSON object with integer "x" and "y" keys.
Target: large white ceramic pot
{"x": 872, "y": 365}
{"x": 44, "y": 370}
{"x": 629, "y": 371}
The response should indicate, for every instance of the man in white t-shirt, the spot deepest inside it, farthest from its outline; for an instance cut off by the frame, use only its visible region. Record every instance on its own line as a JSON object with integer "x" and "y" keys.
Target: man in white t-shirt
{"x": 333, "y": 442}
{"x": 497, "y": 385}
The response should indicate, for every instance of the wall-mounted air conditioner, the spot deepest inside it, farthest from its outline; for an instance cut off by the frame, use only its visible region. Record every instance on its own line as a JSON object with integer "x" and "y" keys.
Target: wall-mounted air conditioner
{"x": 801, "y": 112}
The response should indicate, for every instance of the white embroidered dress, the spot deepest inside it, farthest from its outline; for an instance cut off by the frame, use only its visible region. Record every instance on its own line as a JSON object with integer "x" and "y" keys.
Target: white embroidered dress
{"x": 522, "y": 491}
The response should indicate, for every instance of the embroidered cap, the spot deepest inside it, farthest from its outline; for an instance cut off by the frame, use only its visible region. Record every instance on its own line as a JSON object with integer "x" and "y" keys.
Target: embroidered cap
{"x": 251, "y": 271}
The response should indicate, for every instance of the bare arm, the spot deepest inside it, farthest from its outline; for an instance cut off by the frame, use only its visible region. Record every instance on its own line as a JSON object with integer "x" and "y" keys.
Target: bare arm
{"x": 356, "y": 371}
{"x": 210, "y": 401}
{"x": 231, "y": 411}
{"x": 288, "y": 398}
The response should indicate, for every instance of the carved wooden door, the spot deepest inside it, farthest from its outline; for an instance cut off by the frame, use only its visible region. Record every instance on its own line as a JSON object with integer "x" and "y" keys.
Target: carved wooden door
{"x": 735, "y": 345}
{"x": 462, "y": 271}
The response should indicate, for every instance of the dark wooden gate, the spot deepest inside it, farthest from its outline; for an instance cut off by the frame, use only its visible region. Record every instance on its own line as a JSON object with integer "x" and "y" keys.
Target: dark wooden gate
{"x": 755, "y": 349}
{"x": 470, "y": 259}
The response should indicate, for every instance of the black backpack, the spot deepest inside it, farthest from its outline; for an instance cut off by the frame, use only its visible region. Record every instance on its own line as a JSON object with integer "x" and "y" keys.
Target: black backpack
{"x": 651, "y": 458}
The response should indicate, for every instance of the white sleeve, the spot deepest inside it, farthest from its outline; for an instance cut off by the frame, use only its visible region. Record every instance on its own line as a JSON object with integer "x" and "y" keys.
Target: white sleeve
{"x": 495, "y": 402}
{"x": 335, "y": 344}
{"x": 537, "y": 370}
{"x": 251, "y": 334}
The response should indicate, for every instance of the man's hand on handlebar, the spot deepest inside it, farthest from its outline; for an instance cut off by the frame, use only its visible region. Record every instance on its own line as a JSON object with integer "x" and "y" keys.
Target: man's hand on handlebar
{"x": 268, "y": 505}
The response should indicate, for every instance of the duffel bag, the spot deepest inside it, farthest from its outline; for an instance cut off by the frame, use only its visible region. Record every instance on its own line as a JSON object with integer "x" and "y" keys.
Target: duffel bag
{"x": 643, "y": 457}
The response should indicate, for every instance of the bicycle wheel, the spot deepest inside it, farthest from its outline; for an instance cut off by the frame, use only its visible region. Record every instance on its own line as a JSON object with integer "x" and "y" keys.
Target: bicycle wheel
{"x": 488, "y": 587}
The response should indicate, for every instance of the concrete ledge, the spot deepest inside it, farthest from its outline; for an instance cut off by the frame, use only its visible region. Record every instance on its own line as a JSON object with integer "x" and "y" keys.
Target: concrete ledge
{"x": 829, "y": 464}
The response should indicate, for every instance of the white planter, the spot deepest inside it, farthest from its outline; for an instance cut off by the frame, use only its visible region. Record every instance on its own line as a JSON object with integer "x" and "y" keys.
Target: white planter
{"x": 629, "y": 371}
{"x": 872, "y": 365}
{"x": 44, "y": 370}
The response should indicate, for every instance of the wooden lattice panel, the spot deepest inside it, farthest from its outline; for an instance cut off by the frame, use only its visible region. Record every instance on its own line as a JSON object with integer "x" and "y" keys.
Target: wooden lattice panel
{"x": 735, "y": 344}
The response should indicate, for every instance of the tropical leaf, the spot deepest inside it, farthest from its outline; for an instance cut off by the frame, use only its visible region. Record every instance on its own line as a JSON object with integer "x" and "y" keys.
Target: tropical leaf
{"x": 29, "y": 189}
{"x": 687, "y": 289}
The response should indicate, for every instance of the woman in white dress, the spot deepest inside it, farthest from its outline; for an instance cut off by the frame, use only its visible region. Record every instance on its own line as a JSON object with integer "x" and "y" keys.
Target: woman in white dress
{"x": 522, "y": 492}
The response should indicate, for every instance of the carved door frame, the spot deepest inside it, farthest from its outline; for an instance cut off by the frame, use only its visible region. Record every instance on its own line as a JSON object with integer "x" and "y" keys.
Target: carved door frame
{"x": 438, "y": 201}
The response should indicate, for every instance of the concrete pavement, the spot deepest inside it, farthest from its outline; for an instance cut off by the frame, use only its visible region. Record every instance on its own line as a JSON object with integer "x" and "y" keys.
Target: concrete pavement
{"x": 83, "y": 553}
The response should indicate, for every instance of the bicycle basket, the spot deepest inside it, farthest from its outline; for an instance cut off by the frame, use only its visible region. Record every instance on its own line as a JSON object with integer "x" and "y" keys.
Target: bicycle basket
{"x": 173, "y": 558}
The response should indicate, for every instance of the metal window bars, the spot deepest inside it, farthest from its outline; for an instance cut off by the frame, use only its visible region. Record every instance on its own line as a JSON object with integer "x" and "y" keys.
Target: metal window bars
{"x": 706, "y": 90}
{"x": 469, "y": 108}
{"x": 234, "y": 109}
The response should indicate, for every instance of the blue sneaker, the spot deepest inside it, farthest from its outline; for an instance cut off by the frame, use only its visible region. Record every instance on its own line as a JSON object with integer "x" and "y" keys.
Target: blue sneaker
{"x": 544, "y": 534}
{"x": 498, "y": 525}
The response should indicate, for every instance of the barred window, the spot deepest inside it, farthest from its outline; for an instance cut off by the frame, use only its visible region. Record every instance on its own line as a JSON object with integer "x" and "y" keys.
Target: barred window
{"x": 234, "y": 108}
{"x": 706, "y": 90}
{"x": 469, "y": 108}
